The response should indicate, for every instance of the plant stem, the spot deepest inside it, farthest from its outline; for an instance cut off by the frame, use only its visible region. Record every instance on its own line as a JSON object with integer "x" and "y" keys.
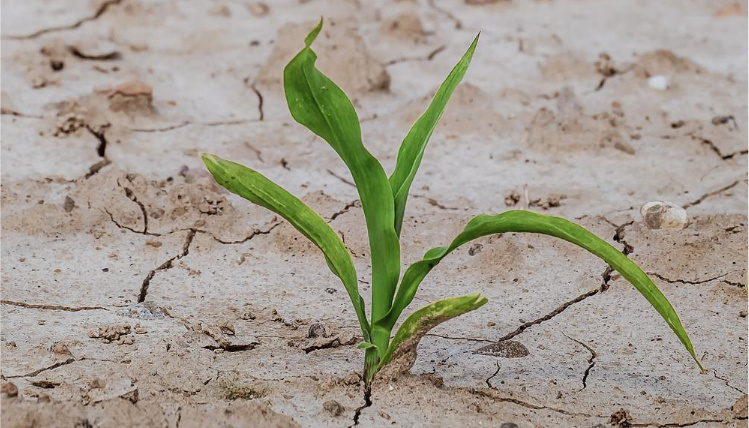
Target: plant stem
{"x": 381, "y": 338}
{"x": 371, "y": 359}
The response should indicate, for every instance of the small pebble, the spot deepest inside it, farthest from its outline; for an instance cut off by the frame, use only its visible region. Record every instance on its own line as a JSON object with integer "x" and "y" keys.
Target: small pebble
{"x": 69, "y": 204}
{"x": 659, "y": 82}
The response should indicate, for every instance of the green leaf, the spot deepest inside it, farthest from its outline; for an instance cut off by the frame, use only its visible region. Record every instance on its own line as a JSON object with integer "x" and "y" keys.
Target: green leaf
{"x": 526, "y": 221}
{"x": 413, "y": 146}
{"x": 318, "y": 104}
{"x": 365, "y": 345}
{"x": 419, "y": 323}
{"x": 256, "y": 188}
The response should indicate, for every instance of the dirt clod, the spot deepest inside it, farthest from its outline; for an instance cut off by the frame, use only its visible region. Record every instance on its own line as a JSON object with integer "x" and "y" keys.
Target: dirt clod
{"x": 227, "y": 328}
{"x": 9, "y": 388}
{"x": 605, "y": 65}
{"x": 740, "y": 407}
{"x": 620, "y": 419}
{"x": 475, "y": 249}
{"x": 317, "y": 330}
{"x": 512, "y": 198}
{"x": 333, "y": 407}
{"x": 60, "y": 348}
{"x": 247, "y": 314}
{"x": 113, "y": 333}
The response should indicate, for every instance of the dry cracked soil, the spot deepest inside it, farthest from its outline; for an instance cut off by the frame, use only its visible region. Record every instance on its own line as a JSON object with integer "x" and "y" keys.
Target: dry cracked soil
{"x": 136, "y": 292}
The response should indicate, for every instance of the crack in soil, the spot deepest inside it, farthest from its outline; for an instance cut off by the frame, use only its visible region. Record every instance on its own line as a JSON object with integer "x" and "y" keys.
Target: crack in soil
{"x": 551, "y": 314}
{"x": 101, "y": 150}
{"x": 469, "y": 339}
{"x": 185, "y": 250}
{"x": 165, "y": 266}
{"x": 492, "y": 393}
{"x": 686, "y": 281}
{"x": 735, "y": 284}
{"x": 430, "y": 56}
{"x": 259, "y": 101}
{"x": 164, "y": 129}
{"x": 343, "y": 210}
{"x": 122, "y": 226}
{"x": 231, "y": 347}
{"x": 715, "y": 373}
{"x": 489, "y": 379}
{"x": 709, "y": 194}
{"x": 435, "y": 203}
{"x": 44, "y": 369}
{"x": 189, "y": 122}
{"x": 52, "y": 307}
{"x": 95, "y": 168}
{"x": 715, "y": 149}
{"x": 606, "y": 275}
{"x": 258, "y": 153}
{"x": 8, "y": 112}
{"x": 344, "y": 180}
{"x": 677, "y": 424}
{"x": 360, "y": 409}
{"x": 99, "y": 12}
{"x": 255, "y": 232}
{"x": 111, "y": 56}
{"x": 131, "y": 195}
{"x": 450, "y": 16}
{"x": 591, "y": 361}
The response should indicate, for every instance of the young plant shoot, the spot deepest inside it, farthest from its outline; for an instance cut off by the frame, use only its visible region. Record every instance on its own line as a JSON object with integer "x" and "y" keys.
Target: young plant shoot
{"x": 321, "y": 106}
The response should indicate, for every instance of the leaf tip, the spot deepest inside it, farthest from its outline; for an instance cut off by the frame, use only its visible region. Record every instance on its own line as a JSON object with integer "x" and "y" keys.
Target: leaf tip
{"x": 475, "y": 42}
{"x": 209, "y": 159}
{"x": 478, "y": 299}
{"x": 313, "y": 34}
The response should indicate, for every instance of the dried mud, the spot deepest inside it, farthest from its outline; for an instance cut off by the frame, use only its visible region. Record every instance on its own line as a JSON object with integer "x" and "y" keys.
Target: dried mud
{"x": 136, "y": 292}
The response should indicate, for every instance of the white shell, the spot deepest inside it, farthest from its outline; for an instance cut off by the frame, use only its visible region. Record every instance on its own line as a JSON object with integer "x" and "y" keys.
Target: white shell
{"x": 663, "y": 215}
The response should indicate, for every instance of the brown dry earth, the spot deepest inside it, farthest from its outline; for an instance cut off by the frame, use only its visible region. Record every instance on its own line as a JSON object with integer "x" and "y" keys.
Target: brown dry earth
{"x": 136, "y": 292}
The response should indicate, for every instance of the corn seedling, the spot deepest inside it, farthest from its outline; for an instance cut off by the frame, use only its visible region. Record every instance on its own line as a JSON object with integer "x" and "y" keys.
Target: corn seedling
{"x": 321, "y": 106}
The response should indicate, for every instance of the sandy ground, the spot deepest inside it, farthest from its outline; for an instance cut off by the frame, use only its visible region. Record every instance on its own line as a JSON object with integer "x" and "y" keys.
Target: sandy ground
{"x": 135, "y": 292}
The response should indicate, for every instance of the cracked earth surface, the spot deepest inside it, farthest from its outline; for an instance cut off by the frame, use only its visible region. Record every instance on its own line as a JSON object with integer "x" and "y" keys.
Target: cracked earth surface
{"x": 136, "y": 292}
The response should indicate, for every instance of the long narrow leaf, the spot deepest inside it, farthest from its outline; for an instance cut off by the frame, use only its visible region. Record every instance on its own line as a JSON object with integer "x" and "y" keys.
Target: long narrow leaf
{"x": 317, "y": 103}
{"x": 525, "y": 221}
{"x": 419, "y": 323}
{"x": 256, "y": 188}
{"x": 413, "y": 146}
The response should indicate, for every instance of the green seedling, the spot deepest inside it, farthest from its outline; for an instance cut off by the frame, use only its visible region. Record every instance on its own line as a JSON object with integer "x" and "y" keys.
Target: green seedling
{"x": 321, "y": 106}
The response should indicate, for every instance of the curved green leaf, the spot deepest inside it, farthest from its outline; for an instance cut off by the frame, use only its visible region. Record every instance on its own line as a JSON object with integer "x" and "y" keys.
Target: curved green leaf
{"x": 256, "y": 188}
{"x": 526, "y": 221}
{"x": 419, "y": 323}
{"x": 413, "y": 146}
{"x": 321, "y": 106}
